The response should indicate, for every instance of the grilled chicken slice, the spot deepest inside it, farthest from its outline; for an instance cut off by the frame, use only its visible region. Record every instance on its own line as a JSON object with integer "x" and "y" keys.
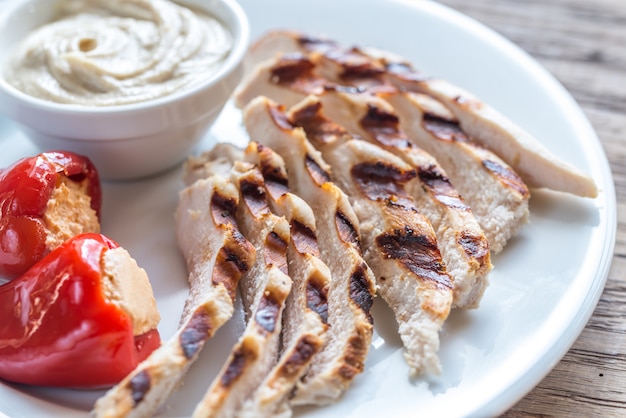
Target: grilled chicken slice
{"x": 305, "y": 320}
{"x": 399, "y": 243}
{"x": 500, "y": 211}
{"x": 351, "y": 290}
{"x": 464, "y": 248}
{"x": 535, "y": 164}
{"x": 497, "y": 196}
{"x": 264, "y": 289}
{"x": 290, "y": 76}
{"x": 217, "y": 255}
{"x": 527, "y": 156}
{"x": 306, "y": 311}
{"x": 462, "y": 242}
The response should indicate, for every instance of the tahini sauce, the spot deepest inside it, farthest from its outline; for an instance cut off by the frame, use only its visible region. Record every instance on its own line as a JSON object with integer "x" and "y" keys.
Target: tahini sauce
{"x": 116, "y": 52}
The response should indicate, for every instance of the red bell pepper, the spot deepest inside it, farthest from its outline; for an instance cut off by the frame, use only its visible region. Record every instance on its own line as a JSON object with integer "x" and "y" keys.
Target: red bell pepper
{"x": 57, "y": 328}
{"x": 25, "y": 189}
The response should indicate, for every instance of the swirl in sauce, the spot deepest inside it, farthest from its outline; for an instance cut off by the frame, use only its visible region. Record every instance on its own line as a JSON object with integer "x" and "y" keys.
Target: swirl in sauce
{"x": 106, "y": 53}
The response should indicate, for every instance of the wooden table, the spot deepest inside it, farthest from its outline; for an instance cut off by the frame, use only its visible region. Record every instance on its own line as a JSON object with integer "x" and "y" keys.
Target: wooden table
{"x": 583, "y": 43}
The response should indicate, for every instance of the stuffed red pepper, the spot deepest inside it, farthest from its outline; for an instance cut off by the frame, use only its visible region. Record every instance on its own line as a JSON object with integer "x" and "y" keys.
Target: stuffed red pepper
{"x": 83, "y": 316}
{"x": 45, "y": 200}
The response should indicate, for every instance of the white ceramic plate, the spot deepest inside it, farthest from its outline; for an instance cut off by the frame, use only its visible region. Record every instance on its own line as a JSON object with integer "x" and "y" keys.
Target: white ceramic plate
{"x": 545, "y": 284}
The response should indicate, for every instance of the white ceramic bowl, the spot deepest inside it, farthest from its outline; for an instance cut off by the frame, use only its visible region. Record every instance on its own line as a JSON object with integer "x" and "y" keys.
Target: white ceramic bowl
{"x": 126, "y": 141}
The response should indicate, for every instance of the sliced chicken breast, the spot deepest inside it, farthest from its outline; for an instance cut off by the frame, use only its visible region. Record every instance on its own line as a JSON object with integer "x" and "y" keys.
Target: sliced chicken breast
{"x": 306, "y": 311}
{"x": 305, "y": 321}
{"x": 351, "y": 291}
{"x": 462, "y": 243}
{"x": 217, "y": 255}
{"x": 264, "y": 290}
{"x": 524, "y": 153}
{"x": 399, "y": 244}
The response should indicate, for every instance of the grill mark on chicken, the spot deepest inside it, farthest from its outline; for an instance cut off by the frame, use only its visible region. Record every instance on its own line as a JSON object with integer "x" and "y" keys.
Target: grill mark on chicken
{"x": 304, "y": 350}
{"x": 313, "y": 44}
{"x": 223, "y": 209}
{"x": 380, "y": 181}
{"x": 507, "y": 176}
{"x": 276, "y": 182}
{"x": 317, "y": 295}
{"x": 243, "y": 356}
{"x": 230, "y": 262}
{"x": 193, "y": 336}
{"x": 280, "y": 119}
{"x": 253, "y": 194}
{"x": 276, "y": 251}
{"x": 360, "y": 291}
{"x": 139, "y": 386}
{"x": 474, "y": 247}
{"x": 319, "y": 175}
{"x": 296, "y": 72}
{"x": 405, "y": 71}
{"x": 268, "y": 312}
{"x": 347, "y": 231}
{"x": 318, "y": 129}
{"x": 439, "y": 184}
{"x": 357, "y": 350}
{"x": 384, "y": 128}
{"x": 304, "y": 238}
{"x": 443, "y": 129}
{"x": 417, "y": 252}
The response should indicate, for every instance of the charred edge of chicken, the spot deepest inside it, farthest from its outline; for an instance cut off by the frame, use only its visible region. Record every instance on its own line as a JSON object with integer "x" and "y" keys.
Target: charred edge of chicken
{"x": 417, "y": 252}
{"x": 275, "y": 177}
{"x": 449, "y": 130}
{"x": 439, "y": 185}
{"x": 384, "y": 182}
{"x": 358, "y": 346}
{"x": 384, "y": 127}
{"x": 507, "y": 176}
{"x": 268, "y": 312}
{"x": 139, "y": 386}
{"x": 253, "y": 194}
{"x": 235, "y": 256}
{"x": 317, "y": 295}
{"x": 223, "y": 209}
{"x": 277, "y": 112}
{"x": 295, "y": 71}
{"x": 346, "y": 230}
{"x": 195, "y": 333}
{"x": 317, "y": 173}
{"x": 276, "y": 251}
{"x": 306, "y": 347}
{"x": 313, "y": 44}
{"x": 361, "y": 291}
{"x": 232, "y": 261}
{"x": 304, "y": 238}
{"x": 318, "y": 128}
{"x": 245, "y": 354}
{"x": 474, "y": 246}
{"x": 405, "y": 71}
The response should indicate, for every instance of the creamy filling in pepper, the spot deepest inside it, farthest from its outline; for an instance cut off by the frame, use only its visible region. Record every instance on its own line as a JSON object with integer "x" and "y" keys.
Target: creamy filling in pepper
{"x": 114, "y": 52}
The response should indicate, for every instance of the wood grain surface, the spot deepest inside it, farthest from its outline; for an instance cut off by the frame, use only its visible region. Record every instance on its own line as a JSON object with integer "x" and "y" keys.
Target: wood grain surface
{"x": 583, "y": 43}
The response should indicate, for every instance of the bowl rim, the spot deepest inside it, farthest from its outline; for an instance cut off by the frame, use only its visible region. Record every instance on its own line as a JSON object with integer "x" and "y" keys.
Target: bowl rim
{"x": 239, "y": 29}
